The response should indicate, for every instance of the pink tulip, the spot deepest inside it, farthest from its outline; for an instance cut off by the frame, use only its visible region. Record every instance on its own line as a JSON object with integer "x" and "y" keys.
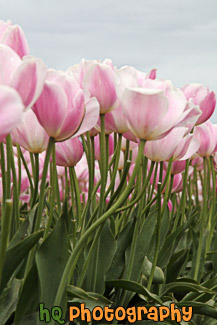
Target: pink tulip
{"x": 93, "y": 132}
{"x": 99, "y": 81}
{"x": 198, "y": 162}
{"x": 177, "y": 181}
{"x": 187, "y": 147}
{"x": 11, "y": 110}
{"x": 163, "y": 149}
{"x": 178, "y": 167}
{"x": 27, "y": 76}
{"x": 82, "y": 174}
{"x": 132, "y": 145}
{"x": 14, "y": 37}
{"x": 206, "y": 134}
{"x": 69, "y": 152}
{"x": 203, "y": 97}
{"x": 143, "y": 76}
{"x": 62, "y": 108}
{"x": 29, "y": 134}
{"x": 97, "y": 146}
{"x": 153, "y": 111}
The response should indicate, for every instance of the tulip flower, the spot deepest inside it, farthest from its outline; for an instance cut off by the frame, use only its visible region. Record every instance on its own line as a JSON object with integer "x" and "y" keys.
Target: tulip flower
{"x": 11, "y": 110}
{"x": 27, "y": 76}
{"x": 100, "y": 83}
{"x": 152, "y": 112}
{"x": 97, "y": 146}
{"x": 69, "y": 152}
{"x": 206, "y": 134}
{"x": 14, "y": 37}
{"x": 62, "y": 109}
{"x": 29, "y": 134}
{"x": 203, "y": 97}
{"x": 164, "y": 148}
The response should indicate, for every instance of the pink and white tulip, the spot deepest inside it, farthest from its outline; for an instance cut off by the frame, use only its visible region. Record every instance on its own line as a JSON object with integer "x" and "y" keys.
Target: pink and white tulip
{"x": 63, "y": 109}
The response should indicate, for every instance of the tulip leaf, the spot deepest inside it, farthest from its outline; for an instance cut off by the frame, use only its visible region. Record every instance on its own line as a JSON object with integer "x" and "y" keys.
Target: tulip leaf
{"x": 185, "y": 286}
{"x": 200, "y": 308}
{"x": 177, "y": 263}
{"x": 134, "y": 287}
{"x": 15, "y": 255}
{"x": 107, "y": 247}
{"x": 25, "y": 228}
{"x": 76, "y": 292}
{"x": 123, "y": 241}
{"x": 29, "y": 296}
{"x": 51, "y": 259}
{"x": 8, "y": 300}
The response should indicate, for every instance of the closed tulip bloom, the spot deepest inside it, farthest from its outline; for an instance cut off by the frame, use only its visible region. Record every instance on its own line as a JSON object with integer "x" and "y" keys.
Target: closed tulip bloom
{"x": 203, "y": 97}
{"x": 11, "y": 110}
{"x": 97, "y": 146}
{"x": 115, "y": 121}
{"x": 14, "y": 37}
{"x": 178, "y": 167}
{"x": 187, "y": 147}
{"x": 100, "y": 83}
{"x": 206, "y": 134}
{"x": 163, "y": 149}
{"x": 63, "y": 109}
{"x": 30, "y": 135}
{"x": 69, "y": 152}
{"x": 27, "y": 76}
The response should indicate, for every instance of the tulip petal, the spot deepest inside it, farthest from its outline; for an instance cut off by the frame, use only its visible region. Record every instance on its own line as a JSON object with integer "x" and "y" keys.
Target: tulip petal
{"x": 11, "y": 109}
{"x": 91, "y": 116}
{"x": 51, "y": 108}
{"x": 29, "y": 79}
{"x": 9, "y": 62}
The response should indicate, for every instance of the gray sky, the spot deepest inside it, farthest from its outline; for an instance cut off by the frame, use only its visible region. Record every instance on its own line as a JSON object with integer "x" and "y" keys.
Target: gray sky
{"x": 179, "y": 38}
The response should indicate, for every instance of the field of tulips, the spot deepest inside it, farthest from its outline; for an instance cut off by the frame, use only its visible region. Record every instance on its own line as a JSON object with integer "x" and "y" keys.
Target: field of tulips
{"x": 107, "y": 193}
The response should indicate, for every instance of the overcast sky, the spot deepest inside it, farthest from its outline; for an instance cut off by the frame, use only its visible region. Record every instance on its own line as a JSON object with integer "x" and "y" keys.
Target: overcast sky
{"x": 179, "y": 38}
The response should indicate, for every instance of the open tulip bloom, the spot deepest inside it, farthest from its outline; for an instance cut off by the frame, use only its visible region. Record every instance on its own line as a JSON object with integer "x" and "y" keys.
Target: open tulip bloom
{"x": 107, "y": 192}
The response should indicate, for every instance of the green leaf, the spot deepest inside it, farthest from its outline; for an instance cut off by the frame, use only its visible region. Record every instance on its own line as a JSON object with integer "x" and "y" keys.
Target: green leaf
{"x": 25, "y": 229}
{"x": 76, "y": 292}
{"x": 106, "y": 251}
{"x": 200, "y": 308}
{"x": 134, "y": 287}
{"x": 183, "y": 287}
{"x": 210, "y": 284}
{"x": 168, "y": 247}
{"x": 118, "y": 262}
{"x": 177, "y": 263}
{"x": 142, "y": 245}
{"x": 51, "y": 259}
{"x": 15, "y": 255}
{"x": 29, "y": 296}
{"x": 163, "y": 233}
{"x": 8, "y": 300}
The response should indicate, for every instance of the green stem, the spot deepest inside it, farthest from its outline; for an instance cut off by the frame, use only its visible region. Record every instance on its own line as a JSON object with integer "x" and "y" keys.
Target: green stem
{"x": 103, "y": 164}
{"x": 73, "y": 178}
{"x": 36, "y": 179}
{"x": 43, "y": 184}
{"x": 202, "y": 224}
{"x": 157, "y": 244}
{"x": 53, "y": 192}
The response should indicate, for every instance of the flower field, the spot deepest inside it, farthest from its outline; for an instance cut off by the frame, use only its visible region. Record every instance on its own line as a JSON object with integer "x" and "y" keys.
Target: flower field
{"x": 107, "y": 193}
